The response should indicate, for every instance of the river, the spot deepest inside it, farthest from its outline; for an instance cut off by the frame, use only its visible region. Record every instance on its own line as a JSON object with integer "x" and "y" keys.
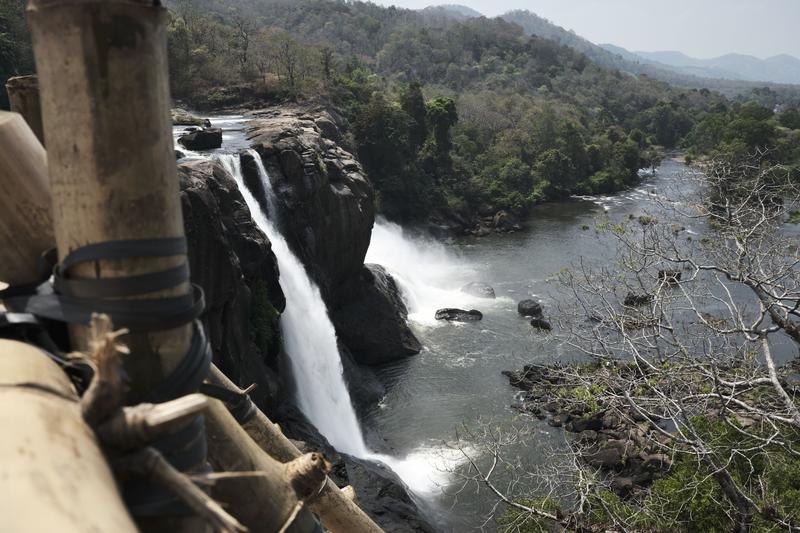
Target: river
{"x": 457, "y": 378}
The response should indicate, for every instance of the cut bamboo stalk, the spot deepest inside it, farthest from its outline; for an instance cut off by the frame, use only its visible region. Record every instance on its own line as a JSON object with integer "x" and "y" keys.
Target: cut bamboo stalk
{"x": 23, "y": 94}
{"x": 27, "y": 228}
{"x": 336, "y": 508}
{"x": 105, "y": 107}
{"x": 53, "y": 475}
{"x": 102, "y": 67}
{"x": 264, "y": 503}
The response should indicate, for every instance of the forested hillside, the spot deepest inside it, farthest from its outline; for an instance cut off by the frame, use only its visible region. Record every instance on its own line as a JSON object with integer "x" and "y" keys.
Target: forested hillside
{"x": 451, "y": 116}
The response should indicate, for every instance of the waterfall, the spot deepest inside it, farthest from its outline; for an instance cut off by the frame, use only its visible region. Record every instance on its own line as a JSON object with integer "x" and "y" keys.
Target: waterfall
{"x": 308, "y": 334}
{"x": 310, "y": 341}
{"x": 428, "y": 276}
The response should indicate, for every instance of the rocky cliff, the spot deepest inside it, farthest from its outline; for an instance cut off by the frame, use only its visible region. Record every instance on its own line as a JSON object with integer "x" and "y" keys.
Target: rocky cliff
{"x": 232, "y": 260}
{"x": 326, "y": 211}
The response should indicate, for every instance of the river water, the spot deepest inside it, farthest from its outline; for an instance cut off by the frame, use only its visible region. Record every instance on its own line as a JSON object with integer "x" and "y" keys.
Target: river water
{"x": 457, "y": 378}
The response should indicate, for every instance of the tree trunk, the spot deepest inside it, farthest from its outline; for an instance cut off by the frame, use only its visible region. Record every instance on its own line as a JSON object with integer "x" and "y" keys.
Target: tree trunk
{"x": 53, "y": 475}
{"x": 23, "y": 94}
{"x": 335, "y": 507}
{"x": 27, "y": 228}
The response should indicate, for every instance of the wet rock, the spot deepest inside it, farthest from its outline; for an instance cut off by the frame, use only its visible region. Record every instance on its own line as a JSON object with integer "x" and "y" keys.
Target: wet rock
{"x": 372, "y": 319}
{"x": 505, "y": 222}
{"x": 541, "y": 324}
{"x": 530, "y": 308}
{"x": 206, "y": 139}
{"x": 637, "y": 300}
{"x": 479, "y": 290}
{"x": 579, "y": 425}
{"x": 179, "y": 155}
{"x": 459, "y": 315}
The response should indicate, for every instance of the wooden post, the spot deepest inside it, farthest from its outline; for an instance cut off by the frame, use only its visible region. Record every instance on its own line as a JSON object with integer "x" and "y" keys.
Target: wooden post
{"x": 336, "y": 508}
{"x": 23, "y": 94}
{"x": 102, "y": 67}
{"x": 53, "y": 475}
{"x": 27, "y": 228}
{"x": 105, "y": 104}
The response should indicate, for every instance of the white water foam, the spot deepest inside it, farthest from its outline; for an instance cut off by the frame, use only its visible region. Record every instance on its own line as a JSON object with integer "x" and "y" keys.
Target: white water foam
{"x": 428, "y": 276}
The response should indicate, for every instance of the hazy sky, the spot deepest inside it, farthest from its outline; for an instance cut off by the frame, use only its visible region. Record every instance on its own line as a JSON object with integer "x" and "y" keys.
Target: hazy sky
{"x": 700, "y": 28}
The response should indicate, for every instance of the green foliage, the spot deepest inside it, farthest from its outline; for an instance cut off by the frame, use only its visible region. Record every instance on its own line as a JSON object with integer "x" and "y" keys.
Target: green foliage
{"x": 520, "y": 521}
{"x": 264, "y": 320}
{"x": 790, "y": 118}
{"x": 16, "y": 56}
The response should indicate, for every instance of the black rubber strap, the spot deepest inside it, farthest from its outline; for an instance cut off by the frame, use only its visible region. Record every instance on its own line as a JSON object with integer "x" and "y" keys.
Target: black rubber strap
{"x": 238, "y": 403}
{"x": 125, "y": 300}
{"x": 125, "y": 250}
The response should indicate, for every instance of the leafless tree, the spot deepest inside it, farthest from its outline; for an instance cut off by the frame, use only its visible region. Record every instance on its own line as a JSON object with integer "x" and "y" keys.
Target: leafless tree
{"x": 692, "y": 341}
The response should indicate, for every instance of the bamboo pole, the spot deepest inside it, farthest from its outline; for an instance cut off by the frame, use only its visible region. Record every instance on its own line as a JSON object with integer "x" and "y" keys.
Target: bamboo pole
{"x": 23, "y": 94}
{"x": 53, "y": 475}
{"x": 105, "y": 107}
{"x": 105, "y": 104}
{"x": 265, "y": 502}
{"x": 104, "y": 93}
{"x": 336, "y": 508}
{"x": 27, "y": 228}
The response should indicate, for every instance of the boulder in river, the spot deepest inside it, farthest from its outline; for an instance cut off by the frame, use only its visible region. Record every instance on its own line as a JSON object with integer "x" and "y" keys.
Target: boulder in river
{"x": 505, "y": 222}
{"x": 479, "y": 290}
{"x": 206, "y": 139}
{"x": 530, "y": 308}
{"x": 541, "y": 324}
{"x": 181, "y": 117}
{"x": 371, "y": 321}
{"x": 459, "y": 315}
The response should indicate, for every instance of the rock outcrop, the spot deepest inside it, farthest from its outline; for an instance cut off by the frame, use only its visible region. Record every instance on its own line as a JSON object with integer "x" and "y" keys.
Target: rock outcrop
{"x": 326, "y": 201}
{"x": 372, "y": 319}
{"x": 326, "y": 211}
{"x": 232, "y": 260}
{"x": 203, "y": 139}
{"x": 459, "y": 315}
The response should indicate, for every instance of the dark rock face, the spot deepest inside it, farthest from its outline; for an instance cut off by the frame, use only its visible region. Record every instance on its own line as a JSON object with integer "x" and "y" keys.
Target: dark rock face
{"x": 326, "y": 202}
{"x": 371, "y": 321}
{"x": 479, "y": 290}
{"x": 232, "y": 260}
{"x": 530, "y": 308}
{"x": 205, "y": 139}
{"x": 362, "y": 383}
{"x": 459, "y": 315}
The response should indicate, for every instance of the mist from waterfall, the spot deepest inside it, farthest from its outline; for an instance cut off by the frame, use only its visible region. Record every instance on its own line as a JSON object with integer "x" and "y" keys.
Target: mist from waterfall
{"x": 428, "y": 275}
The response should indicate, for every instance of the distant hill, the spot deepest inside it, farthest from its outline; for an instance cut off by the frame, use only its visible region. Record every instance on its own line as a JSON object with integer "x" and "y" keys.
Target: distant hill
{"x": 719, "y": 78}
{"x": 778, "y": 69}
{"x": 455, "y": 12}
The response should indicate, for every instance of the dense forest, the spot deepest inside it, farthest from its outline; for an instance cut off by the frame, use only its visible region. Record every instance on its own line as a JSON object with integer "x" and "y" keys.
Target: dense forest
{"x": 451, "y": 116}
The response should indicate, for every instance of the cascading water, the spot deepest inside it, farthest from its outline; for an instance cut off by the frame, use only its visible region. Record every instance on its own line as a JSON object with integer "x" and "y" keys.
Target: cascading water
{"x": 308, "y": 334}
{"x": 310, "y": 342}
{"x": 427, "y": 275}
